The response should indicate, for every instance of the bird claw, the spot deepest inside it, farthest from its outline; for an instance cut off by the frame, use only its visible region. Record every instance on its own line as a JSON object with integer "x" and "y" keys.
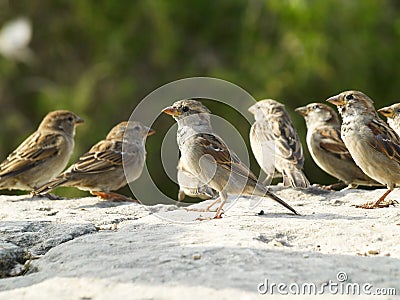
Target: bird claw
{"x": 217, "y": 216}
{"x": 372, "y": 205}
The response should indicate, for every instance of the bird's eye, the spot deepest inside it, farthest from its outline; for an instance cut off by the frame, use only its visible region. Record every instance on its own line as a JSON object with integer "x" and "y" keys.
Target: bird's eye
{"x": 398, "y": 110}
{"x": 349, "y": 97}
{"x": 136, "y": 128}
{"x": 185, "y": 109}
{"x": 70, "y": 119}
{"x": 315, "y": 107}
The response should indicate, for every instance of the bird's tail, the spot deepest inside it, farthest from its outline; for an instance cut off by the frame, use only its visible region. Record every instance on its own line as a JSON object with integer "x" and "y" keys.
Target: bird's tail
{"x": 295, "y": 178}
{"x": 44, "y": 189}
{"x": 281, "y": 202}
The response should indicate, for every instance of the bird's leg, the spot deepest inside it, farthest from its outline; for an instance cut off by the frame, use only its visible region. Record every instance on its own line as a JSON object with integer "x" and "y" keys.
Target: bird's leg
{"x": 222, "y": 196}
{"x": 207, "y": 209}
{"x": 212, "y": 204}
{"x": 114, "y": 197}
{"x": 378, "y": 204}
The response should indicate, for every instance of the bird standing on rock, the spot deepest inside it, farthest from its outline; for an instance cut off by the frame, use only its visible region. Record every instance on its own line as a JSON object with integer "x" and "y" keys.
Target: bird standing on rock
{"x": 101, "y": 170}
{"x": 374, "y": 146}
{"x": 327, "y": 148}
{"x": 276, "y": 144}
{"x": 206, "y": 156}
{"x": 43, "y": 155}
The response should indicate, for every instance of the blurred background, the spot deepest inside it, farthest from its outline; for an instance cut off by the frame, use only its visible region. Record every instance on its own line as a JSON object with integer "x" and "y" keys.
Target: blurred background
{"x": 100, "y": 58}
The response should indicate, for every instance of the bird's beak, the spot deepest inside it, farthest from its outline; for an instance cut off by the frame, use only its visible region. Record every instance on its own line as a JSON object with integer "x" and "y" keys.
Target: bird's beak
{"x": 302, "y": 110}
{"x": 151, "y": 132}
{"x": 170, "y": 110}
{"x": 336, "y": 100}
{"x": 387, "y": 112}
{"x": 252, "y": 109}
{"x": 79, "y": 120}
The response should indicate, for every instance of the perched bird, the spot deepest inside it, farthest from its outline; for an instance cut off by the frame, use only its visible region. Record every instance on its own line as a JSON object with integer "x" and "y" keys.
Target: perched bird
{"x": 392, "y": 113}
{"x": 190, "y": 185}
{"x": 101, "y": 170}
{"x": 43, "y": 155}
{"x": 207, "y": 157}
{"x": 374, "y": 146}
{"x": 327, "y": 148}
{"x": 276, "y": 144}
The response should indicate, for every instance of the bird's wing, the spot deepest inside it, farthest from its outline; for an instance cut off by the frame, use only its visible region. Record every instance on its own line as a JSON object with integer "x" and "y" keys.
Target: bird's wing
{"x": 35, "y": 150}
{"x": 102, "y": 157}
{"x": 332, "y": 142}
{"x": 385, "y": 139}
{"x": 285, "y": 137}
{"x": 214, "y": 146}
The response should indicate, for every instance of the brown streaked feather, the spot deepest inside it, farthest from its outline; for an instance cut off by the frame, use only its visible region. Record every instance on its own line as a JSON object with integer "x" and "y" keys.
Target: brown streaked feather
{"x": 102, "y": 157}
{"x": 333, "y": 143}
{"x": 289, "y": 147}
{"x": 35, "y": 150}
{"x": 386, "y": 140}
{"x": 215, "y": 147}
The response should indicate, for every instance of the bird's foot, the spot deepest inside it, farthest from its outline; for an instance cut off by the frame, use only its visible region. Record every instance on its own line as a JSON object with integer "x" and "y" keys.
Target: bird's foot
{"x": 218, "y": 215}
{"x": 372, "y": 205}
{"x": 114, "y": 197}
{"x": 220, "y": 211}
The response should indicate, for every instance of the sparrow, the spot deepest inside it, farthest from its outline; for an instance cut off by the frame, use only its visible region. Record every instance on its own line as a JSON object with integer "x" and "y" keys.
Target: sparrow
{"x": 392, "y": 113}
{"x": 374, "y": 146}
{"x": 206, "y": 156}
{"x": 43, "y": 155}
{"x": 327, "y": 147}
{"x": 101, "y": 169}
{"x": 276, "y": 144}
{"x": 191, "y": 186}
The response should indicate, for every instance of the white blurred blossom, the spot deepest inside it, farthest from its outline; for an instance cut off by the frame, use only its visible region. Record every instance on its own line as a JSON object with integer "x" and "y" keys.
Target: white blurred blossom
{"x": 15, "y": 36}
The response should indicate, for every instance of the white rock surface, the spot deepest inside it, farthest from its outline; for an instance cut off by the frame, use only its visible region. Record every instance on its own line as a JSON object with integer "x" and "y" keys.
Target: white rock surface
{"x": 163, "y": 252}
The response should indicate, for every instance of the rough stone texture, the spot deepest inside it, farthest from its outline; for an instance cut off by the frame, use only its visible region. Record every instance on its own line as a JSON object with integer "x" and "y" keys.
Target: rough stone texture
{"x": 29, "y": 227}
{"x": 163, "y": 252}
{"x": 20, "y": 240}
{"x": 12, "y": 259}
{"x": 40, "y": 236}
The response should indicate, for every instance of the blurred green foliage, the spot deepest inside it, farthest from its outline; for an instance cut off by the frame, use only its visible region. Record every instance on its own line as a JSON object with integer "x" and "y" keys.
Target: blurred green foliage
{"x": 100, "y": 58}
